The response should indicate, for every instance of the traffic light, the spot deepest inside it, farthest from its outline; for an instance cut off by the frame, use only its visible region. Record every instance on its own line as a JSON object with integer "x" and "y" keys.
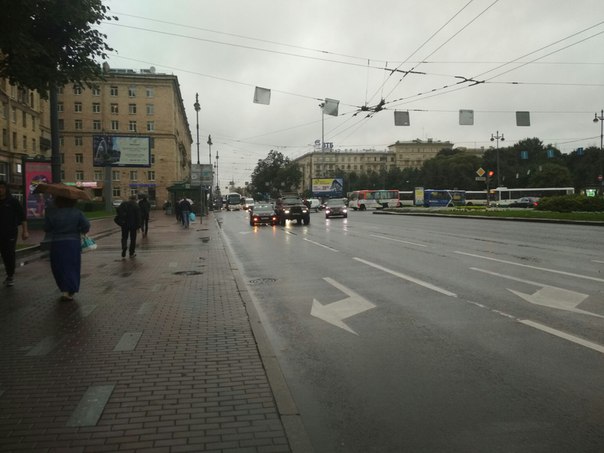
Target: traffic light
{"x": 490, "y": 173}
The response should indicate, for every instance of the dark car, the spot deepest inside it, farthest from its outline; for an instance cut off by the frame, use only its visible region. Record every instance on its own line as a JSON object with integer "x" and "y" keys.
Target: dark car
{"x": 263, "y": 213}
{"x": 525, "y": 202}
{"x": 336, "y": 207}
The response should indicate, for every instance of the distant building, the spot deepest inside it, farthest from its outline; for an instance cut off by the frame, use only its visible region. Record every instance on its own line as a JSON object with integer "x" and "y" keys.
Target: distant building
{"x": 334, "y": 163}
{"x": 126, "y": 104}
{"x": 24, "y": 121}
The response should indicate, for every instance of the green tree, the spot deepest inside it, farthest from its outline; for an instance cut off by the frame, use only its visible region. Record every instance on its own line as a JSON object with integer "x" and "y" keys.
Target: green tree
{"x": 551, "y": 175}
{"x": 584, "y": 166}
{"x": 46, "y": 43}
{"x": 451, "y": 170}
{"x": 275, "y": 174}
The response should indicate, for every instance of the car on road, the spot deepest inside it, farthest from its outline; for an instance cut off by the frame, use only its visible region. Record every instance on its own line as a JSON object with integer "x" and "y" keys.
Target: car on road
{"x": 315, "y": 204}
{"x": 263, "y": 214}
{"x": 248, "y": 203}
{"x": 336, "y": 207}
{"x": 525, "y": 202}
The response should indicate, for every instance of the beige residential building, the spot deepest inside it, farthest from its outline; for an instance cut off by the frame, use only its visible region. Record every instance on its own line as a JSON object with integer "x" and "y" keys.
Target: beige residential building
{"x": 333, "y": 163}
{"x": 126, "y": 104}
{"x": 24, "y": 122}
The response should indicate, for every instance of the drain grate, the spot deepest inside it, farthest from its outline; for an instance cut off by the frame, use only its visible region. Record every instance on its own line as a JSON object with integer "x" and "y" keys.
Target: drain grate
{"x": 188, "y": 273}
{"x": 263, "y": 281}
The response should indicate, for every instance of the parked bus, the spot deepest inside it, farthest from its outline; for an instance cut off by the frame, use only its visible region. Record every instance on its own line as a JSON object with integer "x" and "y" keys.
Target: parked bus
{"x": 444, "y": 198}
{"x": 405, "y": 197}
{"x": 504, "y": 196}
{"x": 476, "y": 198}
{"x": 373, "y": 199}
{"x": 233, "y": 201}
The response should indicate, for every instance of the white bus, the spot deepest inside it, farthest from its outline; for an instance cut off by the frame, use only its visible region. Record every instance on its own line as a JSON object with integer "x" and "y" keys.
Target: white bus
{"x": 373, "y": 199}
{"x": 406, "y": 197}
{"x": 233, "y": 201}
{"x": 504, "y": 196}
{"x": 476, "y": 198}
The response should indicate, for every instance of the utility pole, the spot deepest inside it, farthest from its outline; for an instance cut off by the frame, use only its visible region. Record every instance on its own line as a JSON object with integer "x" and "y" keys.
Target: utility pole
{"x": 601, "y": 175}
{"x": 493, "y": 138}
{"x": 197, "y": 107}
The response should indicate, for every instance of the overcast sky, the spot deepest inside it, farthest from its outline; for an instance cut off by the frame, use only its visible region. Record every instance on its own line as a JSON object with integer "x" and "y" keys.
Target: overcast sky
{"x": 541, "y": 56}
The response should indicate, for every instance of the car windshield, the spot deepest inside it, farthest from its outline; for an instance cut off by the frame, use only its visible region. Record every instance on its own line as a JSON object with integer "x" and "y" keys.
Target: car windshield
{"x": 332, "y": 203}
{"x": 263, "y": 207}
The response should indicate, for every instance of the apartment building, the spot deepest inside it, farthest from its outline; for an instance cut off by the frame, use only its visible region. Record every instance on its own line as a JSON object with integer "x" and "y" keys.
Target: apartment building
{"x": 25, "y": 126}
{"x": 335, "y": 163}
{"x": 126, "y": 103}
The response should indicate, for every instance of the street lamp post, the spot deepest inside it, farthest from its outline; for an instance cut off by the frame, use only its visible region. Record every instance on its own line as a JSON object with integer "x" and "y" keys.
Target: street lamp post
{"x": 601, "y": 175}
{"x": 209, "y": 142}
{"x": 493, "y": 138}
{"x": 197, "y": 108}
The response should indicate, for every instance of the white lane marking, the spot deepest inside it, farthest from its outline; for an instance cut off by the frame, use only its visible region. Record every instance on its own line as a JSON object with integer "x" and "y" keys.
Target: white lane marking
{"x": 397, "y": 240}
{"x": 547, "y": 296}
{"x": 597, "y": 261}
{"x": 563, "y": 335}
{"x": 408, "y": 278}
{"x": 335, "y": 312}
{"x": 554, "y": 271}
{"x": 321, "y": 245}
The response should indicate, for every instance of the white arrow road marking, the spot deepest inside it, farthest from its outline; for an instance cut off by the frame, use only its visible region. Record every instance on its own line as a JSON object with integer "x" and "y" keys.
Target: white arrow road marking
{"x": 547, "y": 296}
{"x": 570, "y": 274}
{"x": 336, "y": 312}
{"x": 396, "y": 240}
{"x": 409, "y": 278}
{"x": 564, "y": 335}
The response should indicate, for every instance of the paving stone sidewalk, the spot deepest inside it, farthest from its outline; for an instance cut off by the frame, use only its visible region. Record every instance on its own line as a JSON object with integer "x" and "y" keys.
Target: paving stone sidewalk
{"x": 156, "y": 354}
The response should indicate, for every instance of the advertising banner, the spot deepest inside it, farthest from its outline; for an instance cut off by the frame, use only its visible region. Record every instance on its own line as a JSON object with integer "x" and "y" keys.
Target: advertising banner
{"x": 36, "y": 172}
{"x": 119, "y": 151}
{"x": 327, "y": 187}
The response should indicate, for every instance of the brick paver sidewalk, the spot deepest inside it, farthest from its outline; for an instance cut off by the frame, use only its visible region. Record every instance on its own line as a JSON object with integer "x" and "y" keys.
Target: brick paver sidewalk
{"x": 157, "y": 353}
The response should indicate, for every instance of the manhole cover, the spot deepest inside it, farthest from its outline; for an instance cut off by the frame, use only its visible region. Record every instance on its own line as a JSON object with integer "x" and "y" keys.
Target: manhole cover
{"x": 262, "y": 281}
{"x": 188, "y": 273}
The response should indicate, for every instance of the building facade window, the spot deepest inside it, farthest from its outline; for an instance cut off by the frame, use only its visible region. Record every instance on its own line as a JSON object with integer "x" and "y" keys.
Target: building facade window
{"x": 150, "y": 126}
{"x": 79, "y": 158}
{"x": 113, "y": 90}
{"x": 96, "y": 107}
{"x": 98, "y": 175}
{"x": 116, "y": 192}
{"x": 132, "y": 109}
{"x": 114, "y": 109}
{"x": 96, "y": 125}
{"x": 150, "y": 91}
{"x": 15, "y": 144}
{"x": 115, "y": 125}
{"x": 78, "y": 125}
{"x": 115, "y": 175}
{"x": 79, "y": 141}
{"x": 132, "y": 91}
{"x": 132, "y": 126}
{"x": 133, "y": 175}
{"x": 151, "y": 175}
{"x": 96, "y": 90}
{"x": 61, "y": 124}
{"x": 24, "y": 119}
{"x": 79, "y": 175}
{"x": 60, "y": 107}
{"x": 25, "y": 143}
{"x": 77, "y": 90}
{"x": 77, "y": 107}
{"x": 150, "y": 109}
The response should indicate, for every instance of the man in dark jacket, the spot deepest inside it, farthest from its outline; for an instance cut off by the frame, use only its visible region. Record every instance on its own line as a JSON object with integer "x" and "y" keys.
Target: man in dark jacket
{"x": 145, "y": 206}
{"x": 130, "y": 212}
{"x": 11, "y": 216}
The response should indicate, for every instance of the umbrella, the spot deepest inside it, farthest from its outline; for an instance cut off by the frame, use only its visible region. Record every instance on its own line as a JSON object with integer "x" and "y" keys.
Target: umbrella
{"x": 62, "y": 190}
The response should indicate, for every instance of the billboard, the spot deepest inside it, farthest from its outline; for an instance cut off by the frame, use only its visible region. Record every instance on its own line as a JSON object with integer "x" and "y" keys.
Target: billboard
{"x": 36, "y": 172}
{"x": 120, "y": 151}
{"x": 328, "y": 187}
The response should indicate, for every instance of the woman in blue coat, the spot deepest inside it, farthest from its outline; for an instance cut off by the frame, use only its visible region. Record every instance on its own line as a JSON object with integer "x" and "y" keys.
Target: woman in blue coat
{"x": 65, "y": 224}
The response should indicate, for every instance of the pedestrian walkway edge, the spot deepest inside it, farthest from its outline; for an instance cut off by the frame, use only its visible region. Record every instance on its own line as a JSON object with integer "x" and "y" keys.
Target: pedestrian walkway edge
{"x": 288, "y": 411}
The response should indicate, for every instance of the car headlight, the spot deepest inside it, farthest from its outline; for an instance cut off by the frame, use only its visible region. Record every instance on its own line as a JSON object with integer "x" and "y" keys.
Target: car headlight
{"x": 344, "y": 210}
{"x": 286, "y": 211}
{"x": 327, "y": 210}
{"x": 304, "y": 211}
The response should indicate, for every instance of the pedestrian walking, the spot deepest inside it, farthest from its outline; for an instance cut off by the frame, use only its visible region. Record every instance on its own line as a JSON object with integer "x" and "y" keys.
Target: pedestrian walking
{"x": 145, "y": 207}
{"x": 131, "y": 220}
{"x": 65, "y": 224}
{"x": 185, "y": 211}
{"x": 11, "y": 216}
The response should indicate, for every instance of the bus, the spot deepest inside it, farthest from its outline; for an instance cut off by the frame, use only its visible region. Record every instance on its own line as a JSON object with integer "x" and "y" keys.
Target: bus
{"x": 504, "y": 196}
{"x": 405, "y": 197}
{"x": 233, "y": 201}
{"x": 477, "y": 198}
{"x": 444, "y": 198}
{"x": 373, "y": 199}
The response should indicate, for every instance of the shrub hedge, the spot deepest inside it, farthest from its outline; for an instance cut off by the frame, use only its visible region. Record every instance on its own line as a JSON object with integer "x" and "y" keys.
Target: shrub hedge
{"x": 571, "y": 203}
